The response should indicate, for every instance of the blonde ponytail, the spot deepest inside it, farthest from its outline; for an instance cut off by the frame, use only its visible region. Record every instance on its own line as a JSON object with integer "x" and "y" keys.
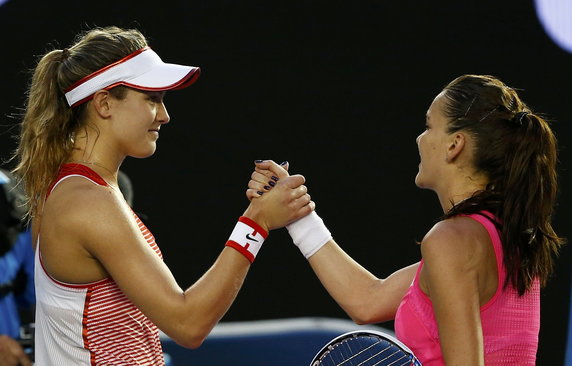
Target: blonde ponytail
{"x": 46, "y": 131}
{"x": 49, "y": 124}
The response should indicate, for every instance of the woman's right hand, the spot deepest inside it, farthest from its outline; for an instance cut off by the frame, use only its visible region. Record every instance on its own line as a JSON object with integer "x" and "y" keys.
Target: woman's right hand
{"x": 285, "y": 200}
{"x": 11, "y": 353}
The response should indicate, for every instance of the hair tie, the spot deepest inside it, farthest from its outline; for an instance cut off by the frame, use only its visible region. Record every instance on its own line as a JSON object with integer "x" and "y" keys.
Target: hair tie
{"x": 531, "y": 232}
{"x": 519, "y": 118}
{"x": 65, "y": 54}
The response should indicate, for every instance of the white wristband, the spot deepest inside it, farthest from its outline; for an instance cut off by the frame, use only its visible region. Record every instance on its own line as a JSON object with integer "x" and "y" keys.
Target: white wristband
{"x": 309, "y": 234}
{"x": 247, "y": 237}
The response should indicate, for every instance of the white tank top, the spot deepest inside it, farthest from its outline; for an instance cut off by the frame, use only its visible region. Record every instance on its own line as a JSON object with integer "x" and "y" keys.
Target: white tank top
{"x": 93, "y": 323}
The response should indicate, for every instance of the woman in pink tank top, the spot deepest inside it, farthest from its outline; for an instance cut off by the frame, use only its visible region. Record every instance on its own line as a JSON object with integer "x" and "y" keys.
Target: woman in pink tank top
{"x": 100, "y": 274}
{"x": 473, "y": 299}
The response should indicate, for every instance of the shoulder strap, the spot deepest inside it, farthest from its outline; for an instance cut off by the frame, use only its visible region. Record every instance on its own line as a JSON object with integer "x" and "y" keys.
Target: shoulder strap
{"x": 74, "y": 169}
{"x": 493, "y": 227}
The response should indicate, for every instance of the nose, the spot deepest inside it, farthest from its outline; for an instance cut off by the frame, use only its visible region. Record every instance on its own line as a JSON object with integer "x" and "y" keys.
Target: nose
{"x": 162, "y": 114}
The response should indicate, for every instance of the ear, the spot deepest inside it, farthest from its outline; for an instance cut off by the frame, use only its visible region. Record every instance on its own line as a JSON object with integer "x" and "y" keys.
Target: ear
{"x": 101, "y": 103}
{"x": 456, "y": 146}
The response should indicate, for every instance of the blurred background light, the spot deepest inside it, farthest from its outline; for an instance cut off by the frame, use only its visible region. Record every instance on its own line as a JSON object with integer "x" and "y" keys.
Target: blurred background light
{"x": 556, "y": 18}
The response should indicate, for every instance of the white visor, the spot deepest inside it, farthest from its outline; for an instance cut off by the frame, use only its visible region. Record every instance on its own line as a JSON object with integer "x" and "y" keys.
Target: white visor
{"x": 143, "y": 70}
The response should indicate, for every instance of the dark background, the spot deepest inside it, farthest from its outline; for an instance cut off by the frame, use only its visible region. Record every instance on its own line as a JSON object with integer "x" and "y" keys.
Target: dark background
{"x": 340, "y": 90}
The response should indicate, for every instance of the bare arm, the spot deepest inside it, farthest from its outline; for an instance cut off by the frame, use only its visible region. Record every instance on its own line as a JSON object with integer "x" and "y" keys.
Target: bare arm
{"x": 363, "y": 296}
{"x": 456, "y": 277}
{"x": 108, "y": 234}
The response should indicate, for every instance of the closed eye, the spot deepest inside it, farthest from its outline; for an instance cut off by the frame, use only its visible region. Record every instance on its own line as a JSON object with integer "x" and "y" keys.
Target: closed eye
{"x": 156, "y": 97}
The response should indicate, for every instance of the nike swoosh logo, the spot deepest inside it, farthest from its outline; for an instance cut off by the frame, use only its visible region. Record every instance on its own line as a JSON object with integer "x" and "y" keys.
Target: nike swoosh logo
{"x": 250, "y": 238}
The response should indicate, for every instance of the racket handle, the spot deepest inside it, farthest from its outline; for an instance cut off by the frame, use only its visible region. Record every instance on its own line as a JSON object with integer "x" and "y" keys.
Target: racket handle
{"x": 309, "y": 234}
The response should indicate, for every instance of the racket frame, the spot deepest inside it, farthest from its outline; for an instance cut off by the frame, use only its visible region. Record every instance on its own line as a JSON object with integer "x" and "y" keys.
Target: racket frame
{"x": 369, "y": 333}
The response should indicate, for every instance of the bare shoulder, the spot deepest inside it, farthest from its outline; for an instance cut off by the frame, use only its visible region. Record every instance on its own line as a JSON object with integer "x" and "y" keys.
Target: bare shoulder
{"x": 76, "y": 194}
{"x": 458, "y": 240}
{"x": 80, "y": 221}
{"x": 76, "y": 204}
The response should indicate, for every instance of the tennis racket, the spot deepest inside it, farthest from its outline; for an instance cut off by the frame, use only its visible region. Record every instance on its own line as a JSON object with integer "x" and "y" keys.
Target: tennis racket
{"x": 365, "y": 348}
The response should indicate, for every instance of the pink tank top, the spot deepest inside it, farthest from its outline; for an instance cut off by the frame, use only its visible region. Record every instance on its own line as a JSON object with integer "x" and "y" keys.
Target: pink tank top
{"x": 510, "y": 322}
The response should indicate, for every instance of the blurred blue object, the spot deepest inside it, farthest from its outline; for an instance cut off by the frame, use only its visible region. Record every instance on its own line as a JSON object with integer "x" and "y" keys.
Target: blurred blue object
{"x": 568, "y": 355}
{"x": 281, "y": 342}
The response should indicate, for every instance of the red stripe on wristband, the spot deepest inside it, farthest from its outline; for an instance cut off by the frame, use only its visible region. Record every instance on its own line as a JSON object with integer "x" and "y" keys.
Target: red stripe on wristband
{"x": 247, "y": 238}
{"x": 253, "y": 225}
{"x": 242, "y": 250}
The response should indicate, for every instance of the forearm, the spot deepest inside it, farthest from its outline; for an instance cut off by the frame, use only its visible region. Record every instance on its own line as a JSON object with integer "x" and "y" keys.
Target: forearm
{"x": 197, "y": 310}
{"x": 208, "y": 299}
{"x": 363, "y": 296}
{"x": 346, "y": 281}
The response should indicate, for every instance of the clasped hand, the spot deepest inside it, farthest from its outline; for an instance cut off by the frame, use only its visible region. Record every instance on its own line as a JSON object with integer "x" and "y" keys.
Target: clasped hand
{"x": 11, "y": 353}
{"x": 276, "y": 198}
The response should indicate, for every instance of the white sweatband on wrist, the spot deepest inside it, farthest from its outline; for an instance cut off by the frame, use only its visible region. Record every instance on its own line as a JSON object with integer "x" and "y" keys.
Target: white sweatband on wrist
{"x": 247, "y": 237}
{"x": 309, "y": 234}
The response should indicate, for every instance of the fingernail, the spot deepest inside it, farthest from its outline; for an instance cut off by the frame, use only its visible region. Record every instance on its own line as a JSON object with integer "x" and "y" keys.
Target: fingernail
{"x": 274, "y": 178}
{"x": 260, "y": 193}
{"x": 259, "y": 161}
{"x": 267, "y": 188}
{"x": 284, "y": 163}
{"x": 272, "y": 183}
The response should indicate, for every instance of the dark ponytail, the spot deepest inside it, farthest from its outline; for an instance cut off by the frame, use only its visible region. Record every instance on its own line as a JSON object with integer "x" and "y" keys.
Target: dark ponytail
{"x": 517, "y": 150}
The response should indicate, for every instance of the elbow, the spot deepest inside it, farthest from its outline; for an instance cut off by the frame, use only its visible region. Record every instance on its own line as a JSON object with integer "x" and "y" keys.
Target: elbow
{"x": 192, "y": 343}
{"x": 362, "y": 320}
{"x": 366, "y": 316}
{"x": 190, "y": 340}
{"x": 190, "y": 335}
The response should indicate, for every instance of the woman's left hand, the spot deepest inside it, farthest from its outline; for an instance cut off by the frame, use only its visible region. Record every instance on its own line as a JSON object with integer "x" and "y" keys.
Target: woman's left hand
{"x": 280, "y": 203}
{"x": 265, "y": 176}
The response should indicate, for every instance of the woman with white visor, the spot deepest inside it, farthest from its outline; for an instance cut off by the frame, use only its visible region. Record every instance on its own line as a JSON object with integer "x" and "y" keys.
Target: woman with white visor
{"x": 102, "y": 286}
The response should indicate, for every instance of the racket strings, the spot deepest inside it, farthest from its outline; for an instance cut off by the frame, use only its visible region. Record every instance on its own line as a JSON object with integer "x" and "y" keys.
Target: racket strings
{"x": 345, "y": 347}
{"x": 360, "y": 352}
{"x": 379, "y": 362}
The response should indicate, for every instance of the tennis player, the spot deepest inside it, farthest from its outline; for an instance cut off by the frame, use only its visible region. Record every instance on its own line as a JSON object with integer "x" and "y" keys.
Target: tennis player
{"x": 102, "y": 287}
{"x": 474, "y": 298}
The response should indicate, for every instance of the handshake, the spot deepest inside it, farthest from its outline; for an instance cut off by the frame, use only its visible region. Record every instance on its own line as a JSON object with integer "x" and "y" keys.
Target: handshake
{"x": 278, "y": 199}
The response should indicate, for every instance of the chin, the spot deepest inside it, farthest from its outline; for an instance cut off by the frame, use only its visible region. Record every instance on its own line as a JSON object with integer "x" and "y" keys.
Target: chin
{"x": 419, "y": 181}
{"x": 144, "y": 153}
